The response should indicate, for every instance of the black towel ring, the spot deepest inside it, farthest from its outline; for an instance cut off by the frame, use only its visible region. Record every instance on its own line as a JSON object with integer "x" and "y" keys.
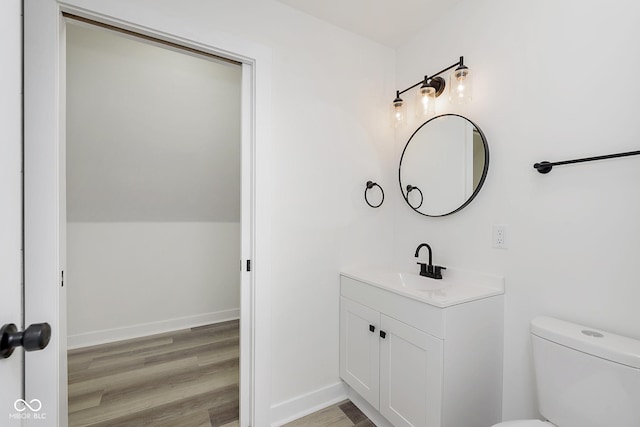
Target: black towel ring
{"x": 410, "y": 188}
{"x": 370, "y": 185}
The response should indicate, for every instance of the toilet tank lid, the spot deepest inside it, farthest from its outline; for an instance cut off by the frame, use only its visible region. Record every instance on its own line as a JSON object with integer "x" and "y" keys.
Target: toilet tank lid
{"x": 606, "y": 345}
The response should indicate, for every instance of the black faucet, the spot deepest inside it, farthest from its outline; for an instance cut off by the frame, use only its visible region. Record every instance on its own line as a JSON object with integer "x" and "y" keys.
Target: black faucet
{"x": 429, "y": 270}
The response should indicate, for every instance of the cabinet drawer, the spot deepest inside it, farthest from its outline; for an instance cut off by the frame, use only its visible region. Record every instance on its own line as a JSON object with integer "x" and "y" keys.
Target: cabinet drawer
{"x": 420, "y": 315}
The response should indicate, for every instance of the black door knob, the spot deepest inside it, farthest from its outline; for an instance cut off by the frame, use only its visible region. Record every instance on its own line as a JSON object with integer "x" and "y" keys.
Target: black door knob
{"x": 35, "y": 337}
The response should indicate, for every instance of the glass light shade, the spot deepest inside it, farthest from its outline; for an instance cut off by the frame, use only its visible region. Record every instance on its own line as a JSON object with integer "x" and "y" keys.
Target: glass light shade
{"x": 397, "y": 112}
{"x": 426, "y": 102}
{"x": 460, "y": 86}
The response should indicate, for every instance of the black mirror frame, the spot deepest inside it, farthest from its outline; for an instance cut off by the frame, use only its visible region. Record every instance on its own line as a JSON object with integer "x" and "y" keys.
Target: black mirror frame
{"x": 482, "y": 178}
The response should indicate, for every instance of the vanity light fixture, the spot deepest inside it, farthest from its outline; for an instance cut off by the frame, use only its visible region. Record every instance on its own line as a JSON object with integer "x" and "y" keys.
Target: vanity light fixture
{"x": 431, "y": 87}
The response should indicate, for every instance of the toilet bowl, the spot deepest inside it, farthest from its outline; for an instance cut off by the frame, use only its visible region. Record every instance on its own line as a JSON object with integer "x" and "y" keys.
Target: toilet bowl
{"x": 584, "y": 377}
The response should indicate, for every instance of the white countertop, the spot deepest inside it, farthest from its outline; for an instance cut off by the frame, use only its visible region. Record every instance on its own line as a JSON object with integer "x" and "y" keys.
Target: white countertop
{"x": 456, "y": 287}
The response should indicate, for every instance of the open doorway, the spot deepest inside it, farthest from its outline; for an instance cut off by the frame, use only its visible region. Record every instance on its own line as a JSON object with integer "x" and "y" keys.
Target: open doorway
{"x": 153, "y": 229}
{"x": 45, "y": 294}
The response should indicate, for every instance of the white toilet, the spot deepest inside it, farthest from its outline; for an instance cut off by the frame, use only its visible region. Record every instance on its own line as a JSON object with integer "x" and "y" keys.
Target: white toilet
{"x": 584, "y": 377}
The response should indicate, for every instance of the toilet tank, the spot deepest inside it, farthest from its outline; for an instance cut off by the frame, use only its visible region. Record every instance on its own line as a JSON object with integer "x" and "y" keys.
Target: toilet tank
{"x": 585, "y": 377}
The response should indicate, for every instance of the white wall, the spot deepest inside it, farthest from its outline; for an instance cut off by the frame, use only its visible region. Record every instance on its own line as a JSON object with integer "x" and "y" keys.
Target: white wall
{"x": 131, "y": 279}
{"x": 552, "y": 82}
{"x": 153, "y": 133}
{"x": 330, "y": 134}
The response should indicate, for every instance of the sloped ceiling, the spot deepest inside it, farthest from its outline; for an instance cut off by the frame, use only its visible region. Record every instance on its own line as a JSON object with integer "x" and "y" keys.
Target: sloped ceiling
{"x": 152, "y": 134}
{"x": 389, "y": 22}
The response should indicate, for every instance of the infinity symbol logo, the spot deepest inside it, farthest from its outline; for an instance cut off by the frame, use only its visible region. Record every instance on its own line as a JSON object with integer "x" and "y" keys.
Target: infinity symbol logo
{"x": 21, "y": 405}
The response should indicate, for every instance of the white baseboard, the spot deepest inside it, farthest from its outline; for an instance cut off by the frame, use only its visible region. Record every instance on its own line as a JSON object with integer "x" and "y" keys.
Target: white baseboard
{"x": 144, "y": 329}
{"x": 298, "y": 407}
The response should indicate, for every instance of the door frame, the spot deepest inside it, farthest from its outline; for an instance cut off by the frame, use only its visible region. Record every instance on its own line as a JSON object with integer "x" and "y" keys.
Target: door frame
{"x": 45, "y": 217}
{"x": 11, "y": 207}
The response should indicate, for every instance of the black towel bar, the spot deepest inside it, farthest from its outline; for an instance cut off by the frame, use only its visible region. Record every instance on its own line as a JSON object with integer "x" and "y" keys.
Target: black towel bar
{"x": 545, "y": 167}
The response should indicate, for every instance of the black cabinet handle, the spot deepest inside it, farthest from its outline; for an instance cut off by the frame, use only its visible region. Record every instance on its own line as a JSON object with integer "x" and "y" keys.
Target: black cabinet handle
{"x": 383, "y": 334}
{"x": 372, "y": 328}
{"x": 35, "y": 337}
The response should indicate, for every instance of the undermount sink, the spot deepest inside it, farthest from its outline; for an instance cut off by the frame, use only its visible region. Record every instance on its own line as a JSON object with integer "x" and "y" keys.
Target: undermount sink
{"x": 420, "y": 283}
{"x": 457, "y": 286}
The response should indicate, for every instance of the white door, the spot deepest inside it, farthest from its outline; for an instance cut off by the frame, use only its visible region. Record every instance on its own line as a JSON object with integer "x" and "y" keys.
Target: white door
{"x": 10, "y": 205}
{"x": 410, "y": 375}
{"x": 359, "y": 349}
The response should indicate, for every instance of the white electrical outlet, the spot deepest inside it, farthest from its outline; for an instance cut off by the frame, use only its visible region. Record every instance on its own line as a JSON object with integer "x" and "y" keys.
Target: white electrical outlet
{"x": 500, "y": 236}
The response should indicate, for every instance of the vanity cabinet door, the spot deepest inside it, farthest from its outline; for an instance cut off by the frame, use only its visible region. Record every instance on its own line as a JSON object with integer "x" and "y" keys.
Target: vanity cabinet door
{"x": 359, "y": 349}
{"x": 411, "y": 375}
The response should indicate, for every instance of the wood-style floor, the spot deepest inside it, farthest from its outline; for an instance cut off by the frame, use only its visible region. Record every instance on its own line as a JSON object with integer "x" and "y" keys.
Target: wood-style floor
{"x": 187, "y": 378}
{"x": 343, "y": 414}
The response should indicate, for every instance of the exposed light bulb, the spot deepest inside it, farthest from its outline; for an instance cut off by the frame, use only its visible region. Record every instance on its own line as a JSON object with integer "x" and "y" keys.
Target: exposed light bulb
{"x": 397, "y": 111}
{"x": 460, "y": 86}
{"x": 426, "y": 101}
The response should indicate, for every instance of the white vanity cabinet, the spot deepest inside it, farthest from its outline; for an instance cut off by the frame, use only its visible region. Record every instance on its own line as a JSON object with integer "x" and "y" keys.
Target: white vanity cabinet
{"x": 418, "y": 364}
{"x": 393, "y": 366}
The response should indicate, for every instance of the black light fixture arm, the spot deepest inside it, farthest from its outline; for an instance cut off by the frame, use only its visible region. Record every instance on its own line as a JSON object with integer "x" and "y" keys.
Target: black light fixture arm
{"x": 460, "y": 63}
{"x": 545, "y": 167}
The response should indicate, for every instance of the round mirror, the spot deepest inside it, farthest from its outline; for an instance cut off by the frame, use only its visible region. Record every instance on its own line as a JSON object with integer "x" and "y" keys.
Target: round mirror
{"x": 443, "y": 165}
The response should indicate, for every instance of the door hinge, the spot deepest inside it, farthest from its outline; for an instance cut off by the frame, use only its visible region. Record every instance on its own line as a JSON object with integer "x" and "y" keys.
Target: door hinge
{"x": 248, "y": 265}
{"x": 62, "y": 278}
